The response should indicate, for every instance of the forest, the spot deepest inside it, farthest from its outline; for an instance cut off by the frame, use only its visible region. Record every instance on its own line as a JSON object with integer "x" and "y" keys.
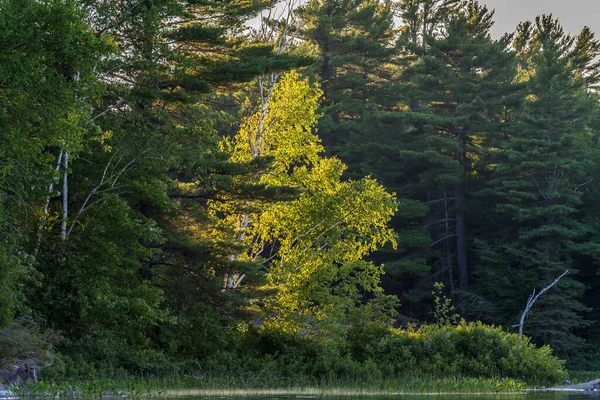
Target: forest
{"x": 321, "y": 189}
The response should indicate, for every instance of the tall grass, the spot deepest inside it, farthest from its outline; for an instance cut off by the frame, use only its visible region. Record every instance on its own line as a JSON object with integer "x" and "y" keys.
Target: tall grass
{"x": 180, "y": 386}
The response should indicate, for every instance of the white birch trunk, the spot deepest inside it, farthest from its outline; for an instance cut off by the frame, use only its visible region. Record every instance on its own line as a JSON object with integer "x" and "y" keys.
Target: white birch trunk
{"x": 38, "y": 242}
{"x": 65, "y": 197}
{"x": 233, "y": 279}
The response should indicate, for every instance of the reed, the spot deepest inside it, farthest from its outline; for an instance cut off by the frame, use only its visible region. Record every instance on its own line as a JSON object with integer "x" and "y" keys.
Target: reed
{"x": 219, "y": 386}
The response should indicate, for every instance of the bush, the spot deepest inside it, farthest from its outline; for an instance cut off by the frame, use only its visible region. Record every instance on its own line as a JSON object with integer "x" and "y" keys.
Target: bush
{"x": 470, "y": 350}
{"x": 103, "y": 353}
{"x": 370, "y": 353}
{"x": 266, "y": 357}
{"x": 22, "y": 343}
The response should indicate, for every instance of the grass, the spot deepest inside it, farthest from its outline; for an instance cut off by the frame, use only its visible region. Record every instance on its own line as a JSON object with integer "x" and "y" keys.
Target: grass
{"x": 583, "y": 376}
{"x": 178, "y": 387}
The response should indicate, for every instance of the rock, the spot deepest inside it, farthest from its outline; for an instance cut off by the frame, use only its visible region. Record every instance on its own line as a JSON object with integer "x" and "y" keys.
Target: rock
{"x": 6, "y": 394}
{"x": 18, "y": 374}
{"x": 592, "y": 386}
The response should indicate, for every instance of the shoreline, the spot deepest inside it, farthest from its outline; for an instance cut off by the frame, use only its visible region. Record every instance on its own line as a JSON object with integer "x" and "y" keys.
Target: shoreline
{"x": 153, "y": 388}
{"x": 591, "y": 386}
{"x": 301, "y": 393}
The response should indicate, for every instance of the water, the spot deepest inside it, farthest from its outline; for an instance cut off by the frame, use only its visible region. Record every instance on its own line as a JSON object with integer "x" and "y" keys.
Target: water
{"x": 534, "y": 395}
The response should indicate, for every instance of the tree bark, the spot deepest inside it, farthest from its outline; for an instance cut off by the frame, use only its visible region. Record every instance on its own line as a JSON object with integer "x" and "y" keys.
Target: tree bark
{"x": 38, "y": 242}
{"x": 325, "y": 73}
{"x": 65, "y": 196}
{"x": 461, "y": 239}
{"x": 532, "y": 299}
{"x": 448, "y": 249}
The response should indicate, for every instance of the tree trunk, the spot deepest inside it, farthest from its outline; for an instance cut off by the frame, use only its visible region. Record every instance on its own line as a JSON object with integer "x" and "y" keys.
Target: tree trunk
{"x": 65, "y": 196}
{"x": 325, "y": 74}
{"x": 38, "y": 242}
{"x": 448, "y": 249}
{"x": 461, "y": 233}
{"x": 533, "y": 298}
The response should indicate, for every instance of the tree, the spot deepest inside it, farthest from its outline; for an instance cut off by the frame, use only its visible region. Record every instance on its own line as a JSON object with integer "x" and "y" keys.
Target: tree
{"x": 312, "y": 246}
{"x": 540, "y": 173}
{"x": 354, "y": 43}
{"x": 423, "y": 20}
{"x": 152, "y": 162}
{"x": 586, "y": 52}
{"x": 456, "y": 90}
{"x": 48, "y": 59}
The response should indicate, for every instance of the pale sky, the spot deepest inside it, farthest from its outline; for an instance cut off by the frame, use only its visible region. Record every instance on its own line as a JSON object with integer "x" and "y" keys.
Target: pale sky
{"x": 573, "y": 14}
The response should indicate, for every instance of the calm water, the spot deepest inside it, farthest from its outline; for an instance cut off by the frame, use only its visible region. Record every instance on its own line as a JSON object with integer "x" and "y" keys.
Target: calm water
{"x": 500, "y": 396}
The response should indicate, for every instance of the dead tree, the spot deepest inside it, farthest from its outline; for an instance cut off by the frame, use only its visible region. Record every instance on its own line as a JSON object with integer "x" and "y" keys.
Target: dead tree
{"x": 533, "y": 298}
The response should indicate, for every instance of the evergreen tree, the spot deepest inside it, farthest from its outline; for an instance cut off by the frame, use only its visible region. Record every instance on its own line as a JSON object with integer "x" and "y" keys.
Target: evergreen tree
{"x": 354, "y": 43}
{"x": 356, "y": 65}
{"x": 586, "y": 52}
{"x": 164, "y": 195}
{"x": 456, "y": 89}
{"x": 539, "y": 174}
{"x": 423, "y": 20}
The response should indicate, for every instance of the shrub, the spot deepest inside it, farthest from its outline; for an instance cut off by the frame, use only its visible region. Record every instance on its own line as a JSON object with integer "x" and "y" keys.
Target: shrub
{"x": 371, "y": 353}
{"x": 470, "y": 350}
{"x": 103, "y": 353}
{"x": 23, "y": 343}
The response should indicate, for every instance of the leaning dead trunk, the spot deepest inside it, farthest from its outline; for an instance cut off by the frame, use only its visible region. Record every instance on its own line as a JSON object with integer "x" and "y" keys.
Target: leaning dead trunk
{"x": 533, "y": 298}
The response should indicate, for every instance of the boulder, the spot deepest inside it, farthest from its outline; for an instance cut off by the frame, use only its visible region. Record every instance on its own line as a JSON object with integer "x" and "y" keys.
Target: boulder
{"x": 6, "y": 394}
{"x": 17, "y": 374}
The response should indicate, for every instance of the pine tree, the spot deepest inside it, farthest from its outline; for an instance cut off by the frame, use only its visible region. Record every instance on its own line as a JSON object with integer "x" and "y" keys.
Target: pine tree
{"x": 354, "y": 43}
{"x": 423, "y": 20}
{"x": 539, "y": 173}
{"x": 586, "y": 52}
{"x": 457, "y": 85}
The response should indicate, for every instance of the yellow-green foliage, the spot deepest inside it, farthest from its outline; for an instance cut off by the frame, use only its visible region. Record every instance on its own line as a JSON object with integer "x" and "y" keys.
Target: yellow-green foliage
{"x": 469, "y": 349}
{"x": 282, "y": 130}
{"x": 318, "y": 240}
{"x": 443, "y": 308}
{"x": 323, "y": 237}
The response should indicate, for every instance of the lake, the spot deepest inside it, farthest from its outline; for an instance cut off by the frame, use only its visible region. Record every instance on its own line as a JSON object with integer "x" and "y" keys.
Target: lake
{"x": 533, "y": 395}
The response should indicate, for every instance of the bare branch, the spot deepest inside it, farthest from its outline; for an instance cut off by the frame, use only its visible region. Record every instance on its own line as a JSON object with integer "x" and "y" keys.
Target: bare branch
{"x": 440, "y": 200}
{"x": 106, "y": 179}
{"x": 442, "y": 239}
{"x": 533, "y": 298}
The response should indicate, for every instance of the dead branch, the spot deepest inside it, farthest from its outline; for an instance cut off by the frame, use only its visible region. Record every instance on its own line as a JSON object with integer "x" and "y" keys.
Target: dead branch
{"x": 533, "y": 298}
